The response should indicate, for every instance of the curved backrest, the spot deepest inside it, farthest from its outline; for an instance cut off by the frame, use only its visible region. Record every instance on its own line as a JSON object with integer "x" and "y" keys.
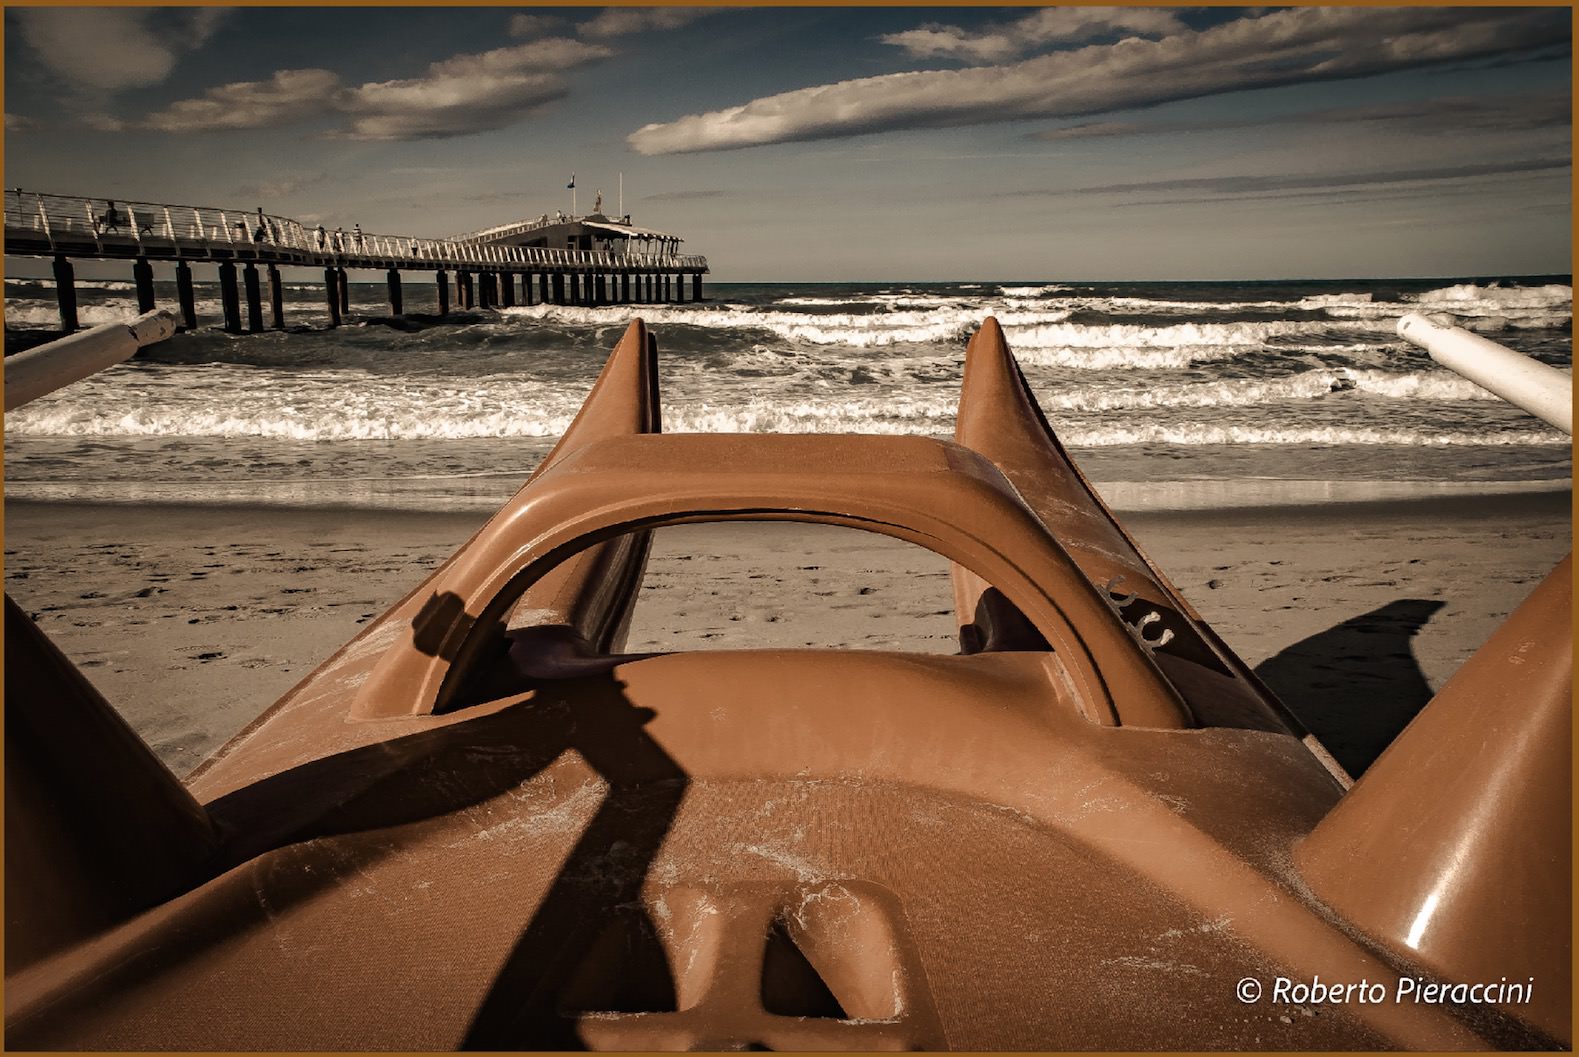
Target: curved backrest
{"x": 910, "y": 488}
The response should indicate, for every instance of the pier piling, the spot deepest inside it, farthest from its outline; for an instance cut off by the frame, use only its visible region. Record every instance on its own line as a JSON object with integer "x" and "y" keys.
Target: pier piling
{"x": 602, "y": 288}
{"x": 543, "y": 288}
{"x": 666, "y": 290}
{"x": 464, "y": 294}
{"x": 229, "y": 300}
{"x": 625, "y": 289}
{"x": 143, "y": 276}
{"x": 506, "y": 290}
{"x": 396, "y": 305}
{"x": 331, "y": 293}
{"x": 443, "y": 279}
{"x": 66, "y": 294}
{"x": 526, "y": 288}
{"x": 696, "y": 286}
{"x": 559, "y": 287}
{"x": 276, "y": 298}
{"x": 254, "y": 298}
{"x": 344, "y": 285}
{"x": 185, "y": 296}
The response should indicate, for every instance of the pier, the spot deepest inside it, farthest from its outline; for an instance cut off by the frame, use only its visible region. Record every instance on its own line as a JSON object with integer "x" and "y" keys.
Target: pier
{"x": 497, "y": 268}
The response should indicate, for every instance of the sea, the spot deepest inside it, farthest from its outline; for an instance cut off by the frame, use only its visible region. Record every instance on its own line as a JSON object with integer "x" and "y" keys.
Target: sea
{"x": 1169, "y": 395}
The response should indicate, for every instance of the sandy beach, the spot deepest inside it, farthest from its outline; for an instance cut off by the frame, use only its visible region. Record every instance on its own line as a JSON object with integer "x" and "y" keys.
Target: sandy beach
{"x": 193, "y": 619}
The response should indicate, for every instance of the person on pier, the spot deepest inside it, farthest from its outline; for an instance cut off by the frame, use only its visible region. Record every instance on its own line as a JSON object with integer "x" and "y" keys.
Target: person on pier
{"x": 111, "y": 220}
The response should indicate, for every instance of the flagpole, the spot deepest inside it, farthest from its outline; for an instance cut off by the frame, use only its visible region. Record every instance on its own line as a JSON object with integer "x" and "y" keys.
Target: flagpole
{"x": 622, "y": 194}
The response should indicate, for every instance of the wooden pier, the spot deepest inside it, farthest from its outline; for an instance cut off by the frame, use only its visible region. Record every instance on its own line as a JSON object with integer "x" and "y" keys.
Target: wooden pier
{"x": 483, "y": 270}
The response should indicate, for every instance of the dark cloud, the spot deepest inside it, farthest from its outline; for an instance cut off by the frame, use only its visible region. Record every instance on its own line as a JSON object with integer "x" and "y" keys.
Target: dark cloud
{"x": 113, "y": 48}
{"x": 1290, "y": 46}
{"x": 1220, "y": 188}
{"x": 1522, "y": 112}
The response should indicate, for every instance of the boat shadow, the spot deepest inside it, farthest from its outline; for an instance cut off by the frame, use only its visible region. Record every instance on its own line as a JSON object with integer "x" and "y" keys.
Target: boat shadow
{"x": 589, "y": 943}
{"x": 1357, "y": 684}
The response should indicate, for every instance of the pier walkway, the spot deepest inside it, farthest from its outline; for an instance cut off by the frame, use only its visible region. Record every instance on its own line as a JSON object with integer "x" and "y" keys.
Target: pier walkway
{"x": 486, "y": 274}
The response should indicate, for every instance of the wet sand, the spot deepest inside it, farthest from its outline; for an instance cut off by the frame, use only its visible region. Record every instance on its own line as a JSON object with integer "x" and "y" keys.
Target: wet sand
{"x": 193, "y": 619}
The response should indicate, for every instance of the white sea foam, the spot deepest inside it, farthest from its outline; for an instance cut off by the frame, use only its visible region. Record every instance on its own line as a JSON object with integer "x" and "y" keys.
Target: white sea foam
{"x": 859, "y": 330}
{"x": 241, "y": 401}
{"x": 44, "y": 314}
{"x": 1201, "y": 434}
{"x": 1032, "y": 291}
{"x": 1426, "y": 386}
{"x": 1452, "y": 298}
{"x": 1175, "y": 337}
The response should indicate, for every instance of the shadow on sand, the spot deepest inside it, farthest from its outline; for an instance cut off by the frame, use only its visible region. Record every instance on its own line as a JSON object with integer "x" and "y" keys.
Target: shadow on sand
{"x": 1356, "y": 685}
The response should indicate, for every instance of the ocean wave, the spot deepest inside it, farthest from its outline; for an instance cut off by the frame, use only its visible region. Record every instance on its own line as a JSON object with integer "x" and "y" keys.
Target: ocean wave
{"x": 860, "y": 330}
{"x": 46, "y": 315}
{"x": 1179, "y": 336}
{"x": 1426, "y": 386}
{"x": 1193, "y": 435}
{"x": 1032, "y": 291}
{"x": 344, "y": 405}
{"x": 917, "y": 415}
{"x": 1548, "y": 296}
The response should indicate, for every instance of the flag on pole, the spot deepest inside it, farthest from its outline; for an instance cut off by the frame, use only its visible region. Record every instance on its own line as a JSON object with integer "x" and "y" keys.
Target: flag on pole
{"x": 572, "y": 184}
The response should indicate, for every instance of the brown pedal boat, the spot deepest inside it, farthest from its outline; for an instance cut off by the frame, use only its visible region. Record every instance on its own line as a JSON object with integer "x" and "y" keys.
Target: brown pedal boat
{"x": 480, "y": 825}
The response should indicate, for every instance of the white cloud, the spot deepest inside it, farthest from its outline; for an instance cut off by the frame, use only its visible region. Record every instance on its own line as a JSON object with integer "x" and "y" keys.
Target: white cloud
{"x": 112, "y": 48}
{"x": 1284, "y": 47}
{"x": 466, "y": 93}
{"x": 1047, "y": 25}
{"x": 285, "y": 97}
{"x": 621, "y": 21}
{"x": 456, "y": 96}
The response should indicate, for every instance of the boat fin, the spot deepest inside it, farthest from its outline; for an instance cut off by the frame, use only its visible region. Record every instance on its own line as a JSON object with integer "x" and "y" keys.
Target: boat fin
{"x": 96, "y": 827}
{"x": 999, "y": 417}
{"x": 582, "y": 608}
{"x": 623, "y": 400}
{"x": 591, "y": 596}
{"x": 1453, "y": 850}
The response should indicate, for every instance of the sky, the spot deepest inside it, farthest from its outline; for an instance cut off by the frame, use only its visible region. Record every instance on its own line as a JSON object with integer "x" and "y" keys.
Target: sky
{"x": 842, "y": 144}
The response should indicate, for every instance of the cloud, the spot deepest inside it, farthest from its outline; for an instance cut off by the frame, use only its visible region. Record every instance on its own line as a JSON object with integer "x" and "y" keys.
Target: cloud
{"x": 1288, "y": 46}
{"x": 531, "y": 25}
{"x": 112, "y": 48}
{"x": 1221, "y": 188}
{"x": 1045, "y": 26}
{"x": 622, "y": 21}
{"x": 287, "y": 96}
{"x": 456, "y": 96}
{"x": 18, "y": 123}
{"x": 465, "y": 94}
{"x": 1522, "y": 112}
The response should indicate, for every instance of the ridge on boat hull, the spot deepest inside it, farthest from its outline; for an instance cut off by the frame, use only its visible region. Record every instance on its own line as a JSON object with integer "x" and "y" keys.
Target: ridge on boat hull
{"x": 481, "y": 825}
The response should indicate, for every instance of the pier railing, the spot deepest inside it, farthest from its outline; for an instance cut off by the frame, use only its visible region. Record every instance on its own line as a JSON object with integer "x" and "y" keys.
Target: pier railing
{"x": 40, "y": 224}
